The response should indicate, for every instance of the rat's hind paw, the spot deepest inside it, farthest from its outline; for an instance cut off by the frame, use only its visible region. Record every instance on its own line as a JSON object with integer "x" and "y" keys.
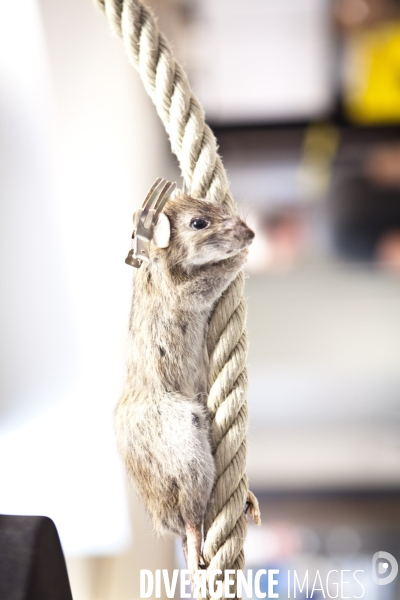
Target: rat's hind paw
{"x": 253, "y": 508}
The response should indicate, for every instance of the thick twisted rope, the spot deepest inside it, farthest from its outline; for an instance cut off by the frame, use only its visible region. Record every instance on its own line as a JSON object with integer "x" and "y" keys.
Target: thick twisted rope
{"x": 195, "y": 147}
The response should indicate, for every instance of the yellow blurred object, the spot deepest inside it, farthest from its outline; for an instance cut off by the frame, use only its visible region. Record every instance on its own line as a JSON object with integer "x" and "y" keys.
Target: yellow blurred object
{"x": 320, "y": 145}
{"x": 372, "y": 90}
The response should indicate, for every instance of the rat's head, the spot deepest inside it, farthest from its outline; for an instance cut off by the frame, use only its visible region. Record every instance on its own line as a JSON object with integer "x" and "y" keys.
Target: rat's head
{"x": 202, "y": 232}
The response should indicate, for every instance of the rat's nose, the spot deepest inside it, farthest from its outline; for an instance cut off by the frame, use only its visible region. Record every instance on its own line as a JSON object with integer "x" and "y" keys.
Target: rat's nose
{"x": 250, "y": 234}
{"x": 247, "y": 233}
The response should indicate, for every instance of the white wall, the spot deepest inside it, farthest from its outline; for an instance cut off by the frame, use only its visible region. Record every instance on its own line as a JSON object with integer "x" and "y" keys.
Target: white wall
{"x": 263, "y": 60}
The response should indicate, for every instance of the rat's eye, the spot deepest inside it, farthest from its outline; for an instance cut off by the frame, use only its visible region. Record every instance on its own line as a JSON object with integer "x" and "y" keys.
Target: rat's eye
{"x": 199, "y": 223}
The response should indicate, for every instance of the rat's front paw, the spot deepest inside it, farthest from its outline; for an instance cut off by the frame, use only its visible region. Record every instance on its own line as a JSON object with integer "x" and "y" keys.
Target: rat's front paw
{"x": 253, "y": 508}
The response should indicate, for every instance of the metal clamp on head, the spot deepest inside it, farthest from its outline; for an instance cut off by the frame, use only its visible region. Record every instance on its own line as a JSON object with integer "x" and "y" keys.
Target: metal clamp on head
{"x": 146, "y": 219}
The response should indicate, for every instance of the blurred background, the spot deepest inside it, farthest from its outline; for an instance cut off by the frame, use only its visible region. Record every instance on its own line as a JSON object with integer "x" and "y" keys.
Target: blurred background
{"x": 304, "y": 97}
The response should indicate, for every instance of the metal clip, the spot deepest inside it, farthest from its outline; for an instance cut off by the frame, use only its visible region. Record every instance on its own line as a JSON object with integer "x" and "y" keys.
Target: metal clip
{"x": 146, "y": 219}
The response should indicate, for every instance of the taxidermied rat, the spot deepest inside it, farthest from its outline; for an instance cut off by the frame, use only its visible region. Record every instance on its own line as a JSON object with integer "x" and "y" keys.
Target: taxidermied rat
{"x": 161, "y": 420}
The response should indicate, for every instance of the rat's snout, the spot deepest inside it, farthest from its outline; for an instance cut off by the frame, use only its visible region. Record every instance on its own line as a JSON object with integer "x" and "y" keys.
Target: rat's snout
{"x": 236, "y": 235}
{"x": 246, "y": 233}
{"x": 239, "y": 227}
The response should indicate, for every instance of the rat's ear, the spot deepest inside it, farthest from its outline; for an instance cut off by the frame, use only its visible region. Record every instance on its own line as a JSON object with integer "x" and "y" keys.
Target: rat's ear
{"x": 162, "y": 232}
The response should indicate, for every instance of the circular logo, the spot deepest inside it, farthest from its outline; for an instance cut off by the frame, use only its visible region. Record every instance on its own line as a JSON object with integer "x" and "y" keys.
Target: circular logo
{"x": 381, "y": 561}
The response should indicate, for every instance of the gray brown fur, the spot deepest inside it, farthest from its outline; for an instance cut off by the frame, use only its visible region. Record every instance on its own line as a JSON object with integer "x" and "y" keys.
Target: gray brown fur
{"x": 161, "y": 419}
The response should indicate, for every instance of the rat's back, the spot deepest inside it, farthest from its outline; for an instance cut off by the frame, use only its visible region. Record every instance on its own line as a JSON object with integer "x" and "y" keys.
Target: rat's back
{"x": 161, "y": 422}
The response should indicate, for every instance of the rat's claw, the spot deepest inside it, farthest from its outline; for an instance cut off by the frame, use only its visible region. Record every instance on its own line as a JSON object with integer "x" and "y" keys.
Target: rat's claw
{"x": 253, "y": 508}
